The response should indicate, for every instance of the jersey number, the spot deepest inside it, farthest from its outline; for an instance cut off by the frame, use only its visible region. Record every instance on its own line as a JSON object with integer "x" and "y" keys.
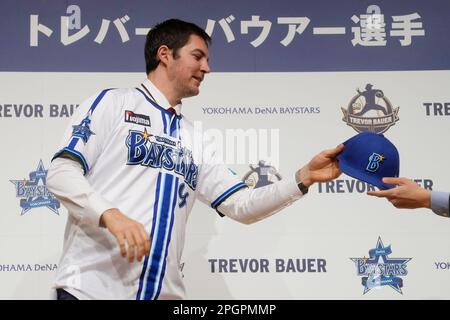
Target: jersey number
{"x": 182, "y": 195}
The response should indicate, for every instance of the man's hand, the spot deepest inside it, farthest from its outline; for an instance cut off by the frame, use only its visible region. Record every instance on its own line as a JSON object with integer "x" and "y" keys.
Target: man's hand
{"x": 323, "y": 167}
{"x": 407, "y": 194}
{"x": 129, "y": 231}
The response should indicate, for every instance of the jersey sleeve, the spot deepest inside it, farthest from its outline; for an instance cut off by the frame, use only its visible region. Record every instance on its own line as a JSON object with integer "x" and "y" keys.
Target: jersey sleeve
{"x": 216, "y": 181}
{"x": 89, "y": 128}
{"x": 252, "y": 205}
{"x": 82, "y": 202}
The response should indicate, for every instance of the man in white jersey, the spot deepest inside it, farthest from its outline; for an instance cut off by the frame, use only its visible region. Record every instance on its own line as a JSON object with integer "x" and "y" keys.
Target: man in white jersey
{"x": 129, "y": 170}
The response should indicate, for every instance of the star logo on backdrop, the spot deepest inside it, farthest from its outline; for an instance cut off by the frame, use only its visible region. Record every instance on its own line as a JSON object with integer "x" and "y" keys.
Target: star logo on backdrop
{"x": 380, "y": 270}
{"x": 33, "y": 193}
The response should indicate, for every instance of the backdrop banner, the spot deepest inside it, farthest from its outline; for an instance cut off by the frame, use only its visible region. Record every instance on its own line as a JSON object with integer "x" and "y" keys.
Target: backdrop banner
{"x": 290, "y": 78}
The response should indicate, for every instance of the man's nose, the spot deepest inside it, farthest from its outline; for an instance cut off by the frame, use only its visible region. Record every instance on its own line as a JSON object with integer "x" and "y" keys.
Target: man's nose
{"x": 205, "y": 67}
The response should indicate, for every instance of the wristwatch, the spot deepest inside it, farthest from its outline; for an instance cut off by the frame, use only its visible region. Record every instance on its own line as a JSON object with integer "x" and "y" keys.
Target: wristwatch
{"x": 302, "y": 187}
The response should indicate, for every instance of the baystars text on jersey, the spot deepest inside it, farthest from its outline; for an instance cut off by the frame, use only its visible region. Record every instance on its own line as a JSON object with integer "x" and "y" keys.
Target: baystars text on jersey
{"x": 153, "y": 151}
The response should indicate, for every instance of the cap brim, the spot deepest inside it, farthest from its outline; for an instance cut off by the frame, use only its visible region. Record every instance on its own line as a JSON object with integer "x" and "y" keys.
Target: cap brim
{"x": 362, "y": 176}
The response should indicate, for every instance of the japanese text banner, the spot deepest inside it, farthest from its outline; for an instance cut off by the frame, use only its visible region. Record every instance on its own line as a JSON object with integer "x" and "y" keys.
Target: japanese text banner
{"x": 267, "y": 36}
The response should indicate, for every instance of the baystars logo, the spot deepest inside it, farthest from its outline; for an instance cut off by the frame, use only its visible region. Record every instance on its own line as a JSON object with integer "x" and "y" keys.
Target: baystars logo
{"x": 34, "y": 192}
{"x": 377, "y": 274}
{"x": 374, "y": 162}
{"x": 153, "y": 151}
{"x": 83, "y": 130}
{"x": 370, "y": 110}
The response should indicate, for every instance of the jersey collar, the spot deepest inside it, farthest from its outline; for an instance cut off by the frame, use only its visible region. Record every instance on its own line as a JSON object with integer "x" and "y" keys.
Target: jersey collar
{"x": 153, "y": 93}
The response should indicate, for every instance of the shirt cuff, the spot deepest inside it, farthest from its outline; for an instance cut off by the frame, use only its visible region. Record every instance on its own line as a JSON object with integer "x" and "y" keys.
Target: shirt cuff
{"x": 439, "y": 203}
{"x": 93, "y": 212}
{"x": 289, "y": 190}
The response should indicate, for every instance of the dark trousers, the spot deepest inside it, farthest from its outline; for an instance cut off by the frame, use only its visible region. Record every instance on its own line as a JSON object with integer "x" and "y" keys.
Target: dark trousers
{"x": 62, "y": 294}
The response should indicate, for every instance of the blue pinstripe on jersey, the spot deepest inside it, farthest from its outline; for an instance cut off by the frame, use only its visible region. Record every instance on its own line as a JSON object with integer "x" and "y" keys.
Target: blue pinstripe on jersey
{"x": 166, "y": 115}
{"x": 175, "y": 127}
{"x": 158, "y": 228}
{"x": 166, "y": 249}
{"x": 160, "y": 239}
{"x": 175, "y": 131}
{"x": 153, "y": 271}
{"x": 142, "y": 278}
{"x": 161, "y": 233}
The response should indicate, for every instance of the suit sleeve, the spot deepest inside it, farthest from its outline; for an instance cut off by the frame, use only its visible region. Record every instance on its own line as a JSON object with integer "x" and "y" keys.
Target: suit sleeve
{"x": 440, "y": 203}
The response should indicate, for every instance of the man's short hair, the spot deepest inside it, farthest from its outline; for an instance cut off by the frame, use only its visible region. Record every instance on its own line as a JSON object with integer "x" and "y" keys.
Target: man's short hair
{"x": 174, "y": 34}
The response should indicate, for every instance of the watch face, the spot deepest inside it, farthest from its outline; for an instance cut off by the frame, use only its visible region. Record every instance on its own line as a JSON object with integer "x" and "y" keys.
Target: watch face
{"x": 303, "y": 188}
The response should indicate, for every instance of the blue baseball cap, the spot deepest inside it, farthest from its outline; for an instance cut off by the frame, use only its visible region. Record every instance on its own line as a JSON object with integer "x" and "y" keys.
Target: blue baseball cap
{"x": 369, "y": 157}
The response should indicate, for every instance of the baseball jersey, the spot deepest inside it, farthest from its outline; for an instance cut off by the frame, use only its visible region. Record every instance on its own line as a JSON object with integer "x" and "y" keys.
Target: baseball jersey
{"x": 150, "y": 162}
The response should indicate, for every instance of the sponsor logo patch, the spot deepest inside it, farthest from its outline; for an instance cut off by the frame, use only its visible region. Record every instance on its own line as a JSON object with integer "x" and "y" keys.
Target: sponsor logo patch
{"x": 137, "y": 118}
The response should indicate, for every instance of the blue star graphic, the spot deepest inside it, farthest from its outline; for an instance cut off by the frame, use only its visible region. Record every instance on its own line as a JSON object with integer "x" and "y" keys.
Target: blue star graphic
{"x": 82, "y": 130}
{"x": 382, "y": 273}
{"x": 34, "y": 192}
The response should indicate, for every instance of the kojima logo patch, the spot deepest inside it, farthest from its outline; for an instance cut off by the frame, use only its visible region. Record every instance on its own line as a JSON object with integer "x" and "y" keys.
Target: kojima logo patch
{"x": 136, "y": 118}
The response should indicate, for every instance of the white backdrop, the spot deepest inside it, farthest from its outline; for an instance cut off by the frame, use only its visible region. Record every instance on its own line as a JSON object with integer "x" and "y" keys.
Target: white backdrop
{"x": 326, "y": 227}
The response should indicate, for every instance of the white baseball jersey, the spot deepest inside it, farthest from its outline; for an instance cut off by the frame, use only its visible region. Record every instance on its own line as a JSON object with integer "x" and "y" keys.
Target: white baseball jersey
{"x": 144, "y": 160}
{"x": 147, "y": 160}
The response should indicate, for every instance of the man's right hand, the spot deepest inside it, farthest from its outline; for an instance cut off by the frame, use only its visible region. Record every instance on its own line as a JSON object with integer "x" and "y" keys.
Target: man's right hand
{"x": 322, "y": 168}
{"x": 129, "y": 231}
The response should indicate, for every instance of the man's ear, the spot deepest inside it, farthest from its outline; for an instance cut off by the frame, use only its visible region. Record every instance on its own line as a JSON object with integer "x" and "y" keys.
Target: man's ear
{"x": 164, "y": 54}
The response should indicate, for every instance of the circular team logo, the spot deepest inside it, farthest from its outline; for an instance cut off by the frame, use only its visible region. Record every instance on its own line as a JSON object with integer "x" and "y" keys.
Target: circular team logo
{"x": 370, "y": 110}
{"x": 261, "y": 175}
